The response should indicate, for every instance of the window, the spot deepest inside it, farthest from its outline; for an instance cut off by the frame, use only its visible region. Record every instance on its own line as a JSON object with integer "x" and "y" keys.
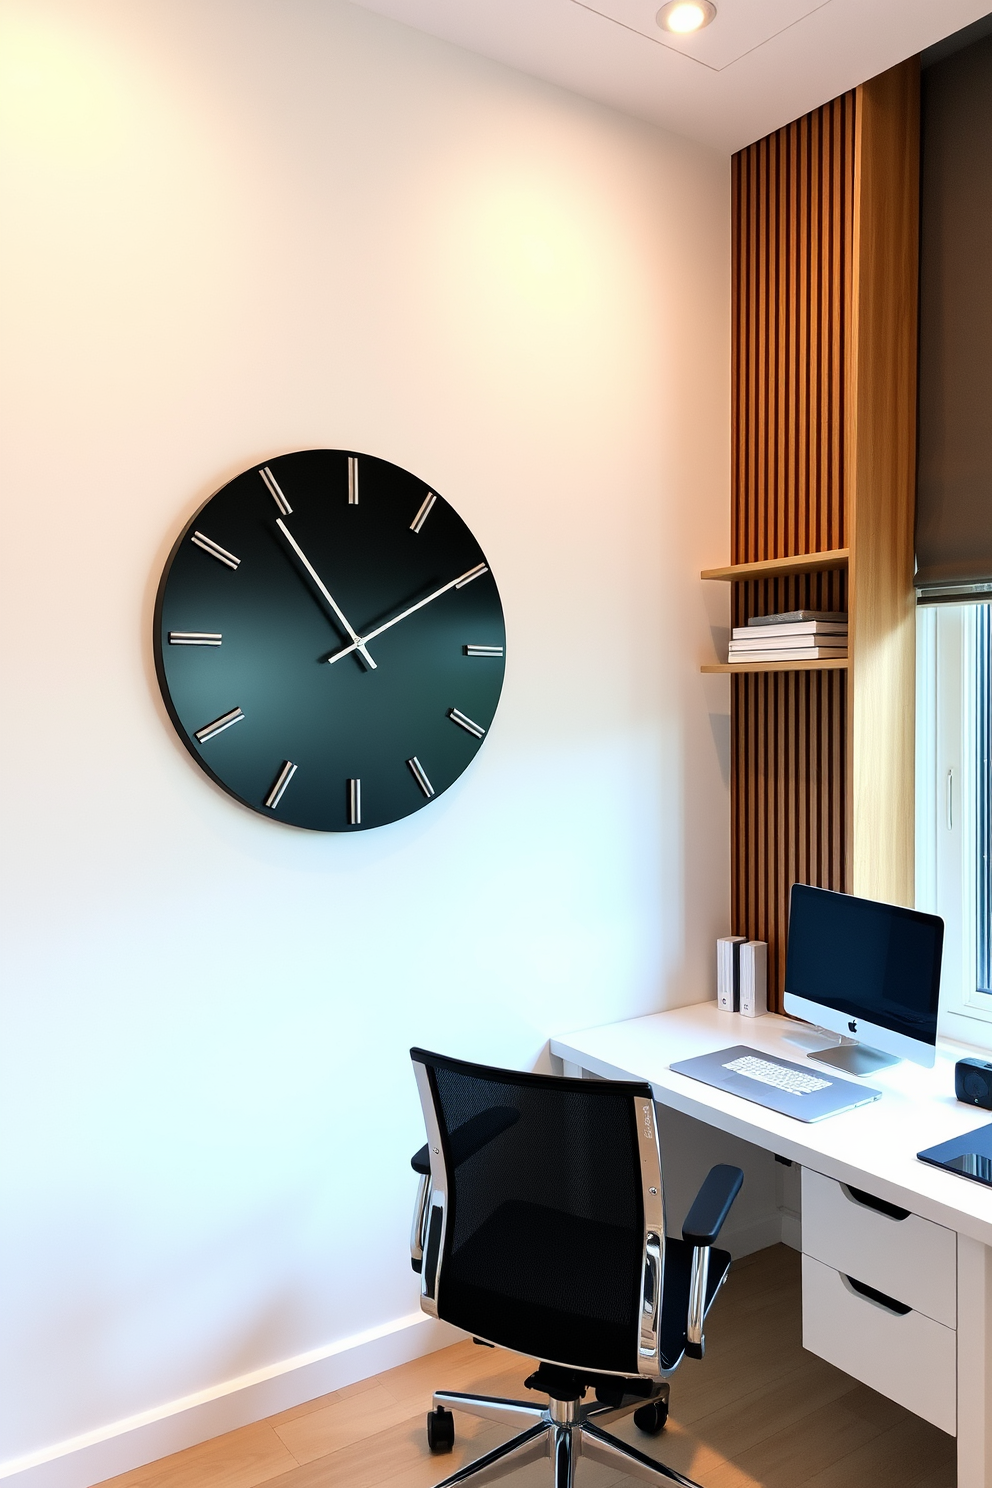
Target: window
{"x": 983, "y": 726}
{"x": 954, "y": 806}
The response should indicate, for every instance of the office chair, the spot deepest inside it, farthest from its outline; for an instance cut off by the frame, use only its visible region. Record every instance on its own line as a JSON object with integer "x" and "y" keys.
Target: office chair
{"x": 540, "y": 1227}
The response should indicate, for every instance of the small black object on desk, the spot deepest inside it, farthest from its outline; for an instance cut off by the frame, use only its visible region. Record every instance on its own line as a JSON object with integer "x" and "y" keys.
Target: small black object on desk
{"x": 973, "y": 1083}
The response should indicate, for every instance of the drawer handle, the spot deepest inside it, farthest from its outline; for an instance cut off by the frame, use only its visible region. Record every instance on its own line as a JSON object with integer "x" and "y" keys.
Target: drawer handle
{"x": 889, "y": 1303}
{"x": 881, "y": 1206}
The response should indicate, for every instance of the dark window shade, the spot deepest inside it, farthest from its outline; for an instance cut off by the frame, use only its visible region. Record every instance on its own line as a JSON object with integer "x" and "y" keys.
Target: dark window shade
{"x": 954, "y": 489}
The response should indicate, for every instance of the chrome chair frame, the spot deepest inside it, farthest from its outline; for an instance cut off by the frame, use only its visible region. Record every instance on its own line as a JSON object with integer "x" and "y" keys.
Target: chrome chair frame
{"x": 563, "y": 1430}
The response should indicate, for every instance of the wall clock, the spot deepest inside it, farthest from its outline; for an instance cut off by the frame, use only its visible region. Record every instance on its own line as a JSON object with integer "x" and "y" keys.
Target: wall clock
{"x": 329, "y": 641}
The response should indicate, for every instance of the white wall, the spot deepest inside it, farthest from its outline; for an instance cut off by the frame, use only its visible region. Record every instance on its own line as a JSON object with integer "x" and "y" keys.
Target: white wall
{"x": 233, "y": 228}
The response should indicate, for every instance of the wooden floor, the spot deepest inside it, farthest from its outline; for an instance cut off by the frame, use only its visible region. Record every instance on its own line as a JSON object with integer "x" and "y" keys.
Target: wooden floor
{"x": 757, "y": 1412}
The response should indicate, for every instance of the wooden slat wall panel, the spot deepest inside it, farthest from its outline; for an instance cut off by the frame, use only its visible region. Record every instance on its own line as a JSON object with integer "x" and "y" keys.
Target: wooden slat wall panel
{"x": 793, "y": 211}
{"x": 790, "y": 730}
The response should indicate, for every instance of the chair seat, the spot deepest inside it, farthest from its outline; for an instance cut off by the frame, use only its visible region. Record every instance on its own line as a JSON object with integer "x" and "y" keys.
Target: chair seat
{"x": 557, "y": 1307}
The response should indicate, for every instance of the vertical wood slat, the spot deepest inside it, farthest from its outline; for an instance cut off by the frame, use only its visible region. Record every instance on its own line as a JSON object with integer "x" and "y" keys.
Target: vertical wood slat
{"x": 793, "y": 208}
{"x": 881, "y": 470}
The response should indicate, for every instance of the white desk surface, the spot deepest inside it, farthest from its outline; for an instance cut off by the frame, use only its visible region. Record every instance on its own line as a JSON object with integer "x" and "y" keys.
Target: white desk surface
{"x": 873, "y": 1146}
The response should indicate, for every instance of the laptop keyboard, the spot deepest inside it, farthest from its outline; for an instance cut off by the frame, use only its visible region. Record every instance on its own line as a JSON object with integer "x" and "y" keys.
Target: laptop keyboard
{"x": 796, "y": 1082}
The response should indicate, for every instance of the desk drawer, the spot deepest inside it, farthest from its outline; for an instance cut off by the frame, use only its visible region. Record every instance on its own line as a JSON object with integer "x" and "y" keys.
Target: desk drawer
{"x": 910, "y": 1258}
{"x": 911, "y": 1359}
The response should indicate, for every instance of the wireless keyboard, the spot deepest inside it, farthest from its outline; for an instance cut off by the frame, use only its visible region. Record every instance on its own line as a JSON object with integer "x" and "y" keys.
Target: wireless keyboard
{"x": 797, "y": 1082}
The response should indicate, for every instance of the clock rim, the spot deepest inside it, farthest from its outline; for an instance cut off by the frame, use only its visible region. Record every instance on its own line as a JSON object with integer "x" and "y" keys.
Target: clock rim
{"x": 159, "y": 651}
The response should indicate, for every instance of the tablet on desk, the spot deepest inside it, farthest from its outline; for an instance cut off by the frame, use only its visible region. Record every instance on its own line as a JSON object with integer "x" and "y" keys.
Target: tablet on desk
{"x": 792, "y": 1089}
{"x": 970, "y": 1155}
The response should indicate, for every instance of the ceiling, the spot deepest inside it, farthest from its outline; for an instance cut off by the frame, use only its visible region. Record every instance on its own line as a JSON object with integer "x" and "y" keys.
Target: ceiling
{"x": 759, "y": 65}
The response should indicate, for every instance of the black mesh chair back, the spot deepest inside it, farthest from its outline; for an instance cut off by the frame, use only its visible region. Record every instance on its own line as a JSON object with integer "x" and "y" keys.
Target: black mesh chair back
{"x": 545, "y": 1232}
{"x": 539, "y": 1226}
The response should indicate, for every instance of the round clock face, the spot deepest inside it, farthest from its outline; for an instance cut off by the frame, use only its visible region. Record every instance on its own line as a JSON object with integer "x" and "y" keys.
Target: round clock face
{"x": 329, "y": 641}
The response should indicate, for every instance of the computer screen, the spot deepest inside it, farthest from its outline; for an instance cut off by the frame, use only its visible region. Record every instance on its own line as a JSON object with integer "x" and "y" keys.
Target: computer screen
{"x": 867, "y": 960}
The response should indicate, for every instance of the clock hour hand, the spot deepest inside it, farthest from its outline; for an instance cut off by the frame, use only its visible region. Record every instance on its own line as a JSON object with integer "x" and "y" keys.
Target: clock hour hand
{"x": 359, "y": 641}
{"x": 358, "y": 644}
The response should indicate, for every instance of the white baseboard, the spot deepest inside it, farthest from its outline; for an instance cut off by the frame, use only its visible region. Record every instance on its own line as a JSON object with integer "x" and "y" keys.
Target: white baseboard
{"x": 792, "y": 1231}
{"x": 85, "y": 1460}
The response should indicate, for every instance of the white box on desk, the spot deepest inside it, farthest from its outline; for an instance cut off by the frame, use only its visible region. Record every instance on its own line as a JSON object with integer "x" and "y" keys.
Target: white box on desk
{"x": 754, "y": 978}
{"x": 728, "y": 996}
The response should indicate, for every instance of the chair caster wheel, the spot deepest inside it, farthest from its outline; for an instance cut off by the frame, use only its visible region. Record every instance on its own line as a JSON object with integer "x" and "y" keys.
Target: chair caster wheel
{"x": 651, "y": 1417}
{"x": 440, "y": 1430}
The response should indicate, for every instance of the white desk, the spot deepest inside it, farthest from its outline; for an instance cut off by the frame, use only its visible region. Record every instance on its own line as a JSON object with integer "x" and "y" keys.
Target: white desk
{"x": 872, "y": 1148}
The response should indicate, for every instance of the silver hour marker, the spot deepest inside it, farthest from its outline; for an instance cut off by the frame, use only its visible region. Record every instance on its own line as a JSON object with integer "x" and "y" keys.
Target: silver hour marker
{"x": 352, "y": 480}
{"x": 483, "y": 650}
{"x": 215, "y": 550}
{"x": 473, "y": 573}
{"x": 209, "y": 730}
{"x": 354, "y": 803}
{"x": 275, "y": 491}
{"x": 423, "y": 513}
{"x": 281, "y": 781}
{"x": 195, "y": 638}
{"x": 417, "y": 771}
{"x": 466, "y": 723}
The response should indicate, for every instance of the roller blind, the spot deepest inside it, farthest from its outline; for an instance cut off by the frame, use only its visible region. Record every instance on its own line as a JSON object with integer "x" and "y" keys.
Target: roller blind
{"x": 954, "y": 481}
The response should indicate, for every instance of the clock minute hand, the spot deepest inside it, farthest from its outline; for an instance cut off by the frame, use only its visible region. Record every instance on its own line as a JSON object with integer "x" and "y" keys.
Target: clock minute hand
{"x": 359, "y": 641}
{"x": 358, "y": 644}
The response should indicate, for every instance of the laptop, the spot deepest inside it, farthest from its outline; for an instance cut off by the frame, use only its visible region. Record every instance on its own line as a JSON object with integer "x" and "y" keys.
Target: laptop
{"x": 805, "y": 1093}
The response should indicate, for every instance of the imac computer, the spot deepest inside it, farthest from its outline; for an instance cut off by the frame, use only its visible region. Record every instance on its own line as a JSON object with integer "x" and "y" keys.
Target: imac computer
{"x": 867, "y": 971}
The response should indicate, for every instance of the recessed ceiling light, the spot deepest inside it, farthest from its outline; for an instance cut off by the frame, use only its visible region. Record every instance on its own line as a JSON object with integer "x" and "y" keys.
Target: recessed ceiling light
{"x": 685, "y": 16}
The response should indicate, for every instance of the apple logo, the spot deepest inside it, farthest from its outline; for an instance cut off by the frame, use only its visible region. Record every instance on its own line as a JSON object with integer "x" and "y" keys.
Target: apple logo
{"x": 852, "y": 1025}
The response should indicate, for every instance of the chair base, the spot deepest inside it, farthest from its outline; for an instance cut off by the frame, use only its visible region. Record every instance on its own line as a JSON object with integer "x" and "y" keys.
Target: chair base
{"x": 563, "y": 1430}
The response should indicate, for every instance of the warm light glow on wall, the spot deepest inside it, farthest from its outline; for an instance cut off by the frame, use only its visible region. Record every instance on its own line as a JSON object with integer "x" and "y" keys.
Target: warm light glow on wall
{"x": 241, "y": 229}
{"x": 60, "y": 93}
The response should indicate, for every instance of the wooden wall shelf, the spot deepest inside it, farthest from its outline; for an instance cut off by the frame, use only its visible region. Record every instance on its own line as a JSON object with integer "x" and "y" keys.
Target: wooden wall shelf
{"x": 820, "y": 664}
{"x": 780, "y": 568}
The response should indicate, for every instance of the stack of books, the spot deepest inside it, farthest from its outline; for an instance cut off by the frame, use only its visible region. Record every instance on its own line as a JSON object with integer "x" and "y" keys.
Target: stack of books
{"x": 801, "y": 635}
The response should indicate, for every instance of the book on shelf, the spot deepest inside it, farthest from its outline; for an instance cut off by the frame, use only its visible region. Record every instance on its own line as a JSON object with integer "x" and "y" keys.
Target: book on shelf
{"x": 775, "y": 642}
{"x": 797, "y": 617}
{"x": 788, "y": 653}
{"x": 764, "y": 634}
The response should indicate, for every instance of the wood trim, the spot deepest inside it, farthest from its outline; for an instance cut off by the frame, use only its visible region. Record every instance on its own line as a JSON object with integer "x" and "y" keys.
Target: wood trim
{"x": 881, "y": 459}
{"x": 819, "y": 664}
{"x": 772, "y": 568}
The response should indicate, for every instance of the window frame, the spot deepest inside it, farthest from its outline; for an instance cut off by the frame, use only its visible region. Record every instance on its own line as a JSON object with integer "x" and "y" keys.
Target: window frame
{"x": 947, "y": 809}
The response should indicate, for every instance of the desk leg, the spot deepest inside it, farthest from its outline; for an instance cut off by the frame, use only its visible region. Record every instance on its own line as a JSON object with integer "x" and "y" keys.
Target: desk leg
{"x": 974, "y": 1364}
{"x": 573, "y": 1071}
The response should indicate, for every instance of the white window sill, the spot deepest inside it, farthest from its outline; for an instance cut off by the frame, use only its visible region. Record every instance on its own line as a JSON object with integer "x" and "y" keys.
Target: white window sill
{"x": 971, "y": 1033}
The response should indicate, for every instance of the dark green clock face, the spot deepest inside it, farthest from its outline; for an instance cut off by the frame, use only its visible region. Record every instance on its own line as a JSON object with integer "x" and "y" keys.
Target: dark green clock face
{"x": 329, "y": 641}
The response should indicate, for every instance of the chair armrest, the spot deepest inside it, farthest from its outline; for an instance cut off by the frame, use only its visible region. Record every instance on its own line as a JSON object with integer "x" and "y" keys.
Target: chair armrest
{"x": 420, "y": 1162}
{"x": 712, "y": 1204}
{"x": 702, "y": 1224}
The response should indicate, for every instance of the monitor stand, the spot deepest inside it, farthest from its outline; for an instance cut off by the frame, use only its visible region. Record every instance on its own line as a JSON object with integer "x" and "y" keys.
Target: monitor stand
{"x": 855, "y": 1059}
